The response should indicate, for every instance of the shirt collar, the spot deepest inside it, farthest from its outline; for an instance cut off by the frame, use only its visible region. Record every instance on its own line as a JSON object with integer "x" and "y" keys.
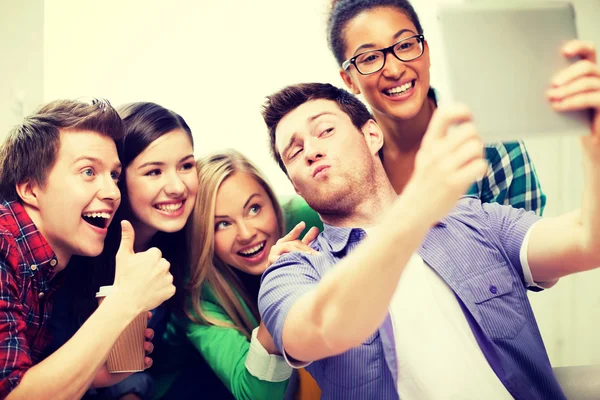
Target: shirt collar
{"x": 338, "y": 238}
{"x": 34, "y": 246}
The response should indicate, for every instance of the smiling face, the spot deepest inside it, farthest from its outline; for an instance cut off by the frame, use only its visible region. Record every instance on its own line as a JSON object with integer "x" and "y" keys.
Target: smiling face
{"x": 246, "y": 225}
{"x": 75, "y": 206}
{"x": 162, "y": 183}
{"x": 329, "y": 161}
{"x": 399, "y": 90}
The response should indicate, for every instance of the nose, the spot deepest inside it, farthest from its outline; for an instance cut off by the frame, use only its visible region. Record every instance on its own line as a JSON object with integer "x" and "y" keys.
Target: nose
{"x": 109, "y": 191}
{"x": 174, "y": 187}
{"x": 246, "y": 232}
{"x": 393, "y": 67}
{"x": 312, "y": 152}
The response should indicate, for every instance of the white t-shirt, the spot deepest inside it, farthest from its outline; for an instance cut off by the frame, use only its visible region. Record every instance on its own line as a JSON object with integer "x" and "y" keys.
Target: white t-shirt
{"x": 438, "y": 355}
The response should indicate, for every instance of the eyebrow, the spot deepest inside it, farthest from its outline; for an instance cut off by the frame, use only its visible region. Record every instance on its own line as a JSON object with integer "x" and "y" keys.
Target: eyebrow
{"x": 160, "y": 163}
{"x": 94, "y": 160}
{"x": 253, "y": 195}
{"x": 309, "y": 120}
{"x": 372, "y": 46}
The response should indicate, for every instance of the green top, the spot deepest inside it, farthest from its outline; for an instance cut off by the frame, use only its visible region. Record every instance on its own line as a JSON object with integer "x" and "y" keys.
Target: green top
{"x": 295, "y": 210}
{"x": 224, "y": 349}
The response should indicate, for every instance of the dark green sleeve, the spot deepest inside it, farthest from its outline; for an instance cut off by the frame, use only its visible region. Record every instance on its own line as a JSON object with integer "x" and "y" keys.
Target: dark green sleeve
{"x": 225, "y": 350}
{"x": 295, "y": 210}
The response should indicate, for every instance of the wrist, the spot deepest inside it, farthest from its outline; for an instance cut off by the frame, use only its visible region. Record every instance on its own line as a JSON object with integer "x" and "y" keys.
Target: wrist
{"x": 121, "y": 306}
{"x": 265, "y": 339}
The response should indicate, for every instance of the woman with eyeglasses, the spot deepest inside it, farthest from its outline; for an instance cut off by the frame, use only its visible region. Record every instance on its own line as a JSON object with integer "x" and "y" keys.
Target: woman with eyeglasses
{"x": 383, "y": 55}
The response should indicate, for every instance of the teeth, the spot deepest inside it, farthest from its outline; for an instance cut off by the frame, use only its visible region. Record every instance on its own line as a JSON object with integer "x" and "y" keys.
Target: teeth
{"x": 104, "y": 215}
{"x": 400, "y": 89}
{"x": 169, "y": 207}
{"x": 253, "y": 249}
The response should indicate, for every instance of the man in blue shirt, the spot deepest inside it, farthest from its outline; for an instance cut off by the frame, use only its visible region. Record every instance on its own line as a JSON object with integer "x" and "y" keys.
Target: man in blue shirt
{"x": 348, "y": 324}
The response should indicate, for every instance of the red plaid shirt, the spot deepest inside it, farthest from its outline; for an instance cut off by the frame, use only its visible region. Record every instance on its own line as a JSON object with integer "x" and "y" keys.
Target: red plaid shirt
{"x": 26, "y": 267}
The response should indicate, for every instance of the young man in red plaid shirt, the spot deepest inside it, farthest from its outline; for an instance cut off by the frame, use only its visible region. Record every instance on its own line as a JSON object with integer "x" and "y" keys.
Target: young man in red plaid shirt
{"x": 58, "y": 194}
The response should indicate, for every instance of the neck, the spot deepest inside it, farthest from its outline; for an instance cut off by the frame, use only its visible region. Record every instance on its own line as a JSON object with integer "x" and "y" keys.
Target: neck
{"x": 402, "y": 142}
{"x": 63, "y": 256}
{"x": 405, "y": 135}
{"x": 374, "y": 200}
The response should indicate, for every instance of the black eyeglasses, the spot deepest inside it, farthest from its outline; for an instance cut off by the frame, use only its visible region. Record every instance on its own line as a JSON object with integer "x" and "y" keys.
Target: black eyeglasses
{"x": 372, "y": 61}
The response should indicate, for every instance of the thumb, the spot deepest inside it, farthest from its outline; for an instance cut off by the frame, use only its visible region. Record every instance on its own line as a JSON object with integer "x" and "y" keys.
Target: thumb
{"x": 127, "y": 239}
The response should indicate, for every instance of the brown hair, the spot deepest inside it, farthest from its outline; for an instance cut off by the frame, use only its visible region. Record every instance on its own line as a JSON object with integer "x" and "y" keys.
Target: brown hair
{"x": 207, "y": 270}
{"x": 281, "y": 103}
{"x": 30, "y": 150}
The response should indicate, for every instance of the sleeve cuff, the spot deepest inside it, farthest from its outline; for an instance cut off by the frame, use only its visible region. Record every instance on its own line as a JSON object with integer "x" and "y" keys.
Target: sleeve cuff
{"x": 265, "y": 366}
{"x": 529, "y": 283}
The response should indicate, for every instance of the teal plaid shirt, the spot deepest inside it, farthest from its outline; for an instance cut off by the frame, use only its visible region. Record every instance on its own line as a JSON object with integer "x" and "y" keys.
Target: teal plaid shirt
{"x": 511, "y": 178}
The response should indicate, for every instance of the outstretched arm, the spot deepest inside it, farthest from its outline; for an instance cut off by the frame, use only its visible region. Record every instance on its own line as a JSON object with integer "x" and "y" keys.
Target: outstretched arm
{"x": 571, "y": 243}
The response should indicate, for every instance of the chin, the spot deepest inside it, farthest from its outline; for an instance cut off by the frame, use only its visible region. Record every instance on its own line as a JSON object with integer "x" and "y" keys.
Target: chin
{"x": 171, "y": 228}
{"x": 90, "y": 251}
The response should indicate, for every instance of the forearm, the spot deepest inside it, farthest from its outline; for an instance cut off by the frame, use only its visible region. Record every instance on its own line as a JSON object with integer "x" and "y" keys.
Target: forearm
{"x": 560, "y": 246}
{"x": 352, "y": 300}
{"x": 68, "y": 372}
{"x": 569, "y": 243}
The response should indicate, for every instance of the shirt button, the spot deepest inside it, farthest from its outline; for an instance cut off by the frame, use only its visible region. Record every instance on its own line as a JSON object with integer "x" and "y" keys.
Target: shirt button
{"x": 493, "y": 289}
{"x": 34, "y": 267}
{"x": 41, "y": 295}
{"x": 53, "y": 262}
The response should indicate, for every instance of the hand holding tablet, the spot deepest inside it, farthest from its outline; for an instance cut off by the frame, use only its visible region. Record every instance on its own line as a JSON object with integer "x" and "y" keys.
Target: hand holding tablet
{"x": 501, "y": 61}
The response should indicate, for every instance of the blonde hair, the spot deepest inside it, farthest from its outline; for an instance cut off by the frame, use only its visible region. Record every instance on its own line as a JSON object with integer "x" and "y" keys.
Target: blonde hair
{"x": 206, "y": 267}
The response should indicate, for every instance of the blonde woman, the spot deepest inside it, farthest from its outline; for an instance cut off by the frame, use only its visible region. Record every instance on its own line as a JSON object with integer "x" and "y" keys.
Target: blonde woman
{"x": 235, "y": 223}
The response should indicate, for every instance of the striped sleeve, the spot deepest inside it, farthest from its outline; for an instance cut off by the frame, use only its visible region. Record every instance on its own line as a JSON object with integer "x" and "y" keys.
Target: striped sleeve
{"x": 283, "y": 283}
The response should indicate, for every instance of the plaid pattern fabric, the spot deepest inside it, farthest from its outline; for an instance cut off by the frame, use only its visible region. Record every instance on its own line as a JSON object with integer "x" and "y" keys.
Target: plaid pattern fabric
{"x": 26, "y": 267}
{"x": 511, "y": 178}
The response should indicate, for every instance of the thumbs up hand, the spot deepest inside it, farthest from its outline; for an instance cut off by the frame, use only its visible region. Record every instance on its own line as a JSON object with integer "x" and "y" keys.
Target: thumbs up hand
{"x": 142, "y": 279}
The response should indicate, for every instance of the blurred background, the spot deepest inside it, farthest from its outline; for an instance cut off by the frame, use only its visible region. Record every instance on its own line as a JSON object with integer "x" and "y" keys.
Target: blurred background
{"x": 214, "y": 63}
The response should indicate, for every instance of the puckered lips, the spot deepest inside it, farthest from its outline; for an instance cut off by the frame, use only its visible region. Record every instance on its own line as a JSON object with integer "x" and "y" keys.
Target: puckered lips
{"x": 320, "y": 171}
{"x": 254, "y": 252}
{"x": 99, "y": 219}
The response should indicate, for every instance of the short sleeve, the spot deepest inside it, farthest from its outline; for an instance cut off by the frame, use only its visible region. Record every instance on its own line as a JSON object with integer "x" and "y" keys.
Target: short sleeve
{"x": 288, "y": 279}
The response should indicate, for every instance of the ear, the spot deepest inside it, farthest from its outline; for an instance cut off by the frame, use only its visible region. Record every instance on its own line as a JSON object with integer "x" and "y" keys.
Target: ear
{"x": 28, "y": 192}
{"x": 373, "y": 136}
{"x": 349, "y": 82}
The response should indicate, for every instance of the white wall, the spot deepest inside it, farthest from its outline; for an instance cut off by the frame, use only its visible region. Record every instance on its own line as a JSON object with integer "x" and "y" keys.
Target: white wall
{"x": 21, "y": 56}
{"x": 213, "y": 62}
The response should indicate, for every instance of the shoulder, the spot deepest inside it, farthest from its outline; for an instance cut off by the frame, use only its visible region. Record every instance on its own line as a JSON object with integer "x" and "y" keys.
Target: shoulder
{"x": 506, "y": 152}
{"x": 468, "y": 208}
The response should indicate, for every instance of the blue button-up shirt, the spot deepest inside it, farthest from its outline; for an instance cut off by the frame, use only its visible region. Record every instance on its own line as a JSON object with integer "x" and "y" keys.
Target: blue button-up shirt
{"x": 476, "y": 251}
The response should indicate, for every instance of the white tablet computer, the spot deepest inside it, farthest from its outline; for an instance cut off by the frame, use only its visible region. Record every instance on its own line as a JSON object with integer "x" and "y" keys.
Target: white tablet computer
{"x": 499, "y": 60}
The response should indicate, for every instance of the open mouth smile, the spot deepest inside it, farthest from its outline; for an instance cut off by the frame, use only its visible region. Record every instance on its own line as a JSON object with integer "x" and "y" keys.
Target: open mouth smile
{"x": 97, "y": 219}
{"x": 398, "y": 91}
{"x": 253, "y": 251}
